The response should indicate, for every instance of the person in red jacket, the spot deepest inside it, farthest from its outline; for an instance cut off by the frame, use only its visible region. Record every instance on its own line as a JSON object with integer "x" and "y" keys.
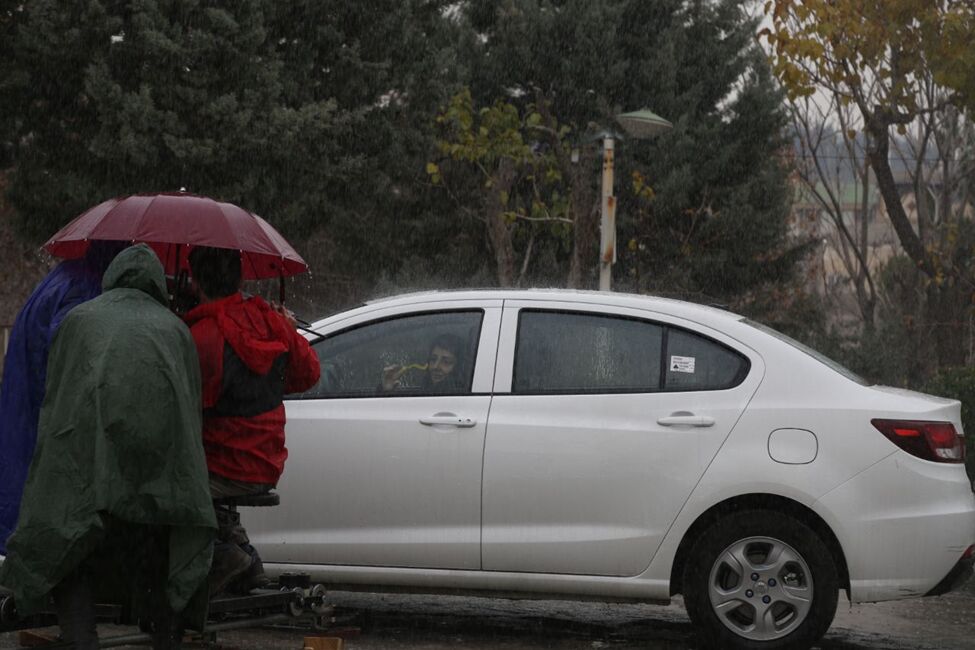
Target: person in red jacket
{"x": 251, "y": 355}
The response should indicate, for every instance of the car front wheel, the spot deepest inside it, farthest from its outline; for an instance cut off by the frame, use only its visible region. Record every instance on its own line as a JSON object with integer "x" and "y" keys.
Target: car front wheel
{"x": 760, "y": 580}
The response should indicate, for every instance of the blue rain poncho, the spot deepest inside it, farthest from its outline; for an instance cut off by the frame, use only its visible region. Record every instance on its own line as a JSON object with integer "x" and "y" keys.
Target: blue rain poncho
{"x": 24, "y": 370}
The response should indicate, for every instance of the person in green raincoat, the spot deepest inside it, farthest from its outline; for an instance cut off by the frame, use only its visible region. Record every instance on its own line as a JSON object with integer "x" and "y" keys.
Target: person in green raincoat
{"x": 118, "y": 483}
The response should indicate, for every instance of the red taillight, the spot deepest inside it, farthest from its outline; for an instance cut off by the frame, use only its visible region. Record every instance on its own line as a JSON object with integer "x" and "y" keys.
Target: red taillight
{"x": 937, "y": 441}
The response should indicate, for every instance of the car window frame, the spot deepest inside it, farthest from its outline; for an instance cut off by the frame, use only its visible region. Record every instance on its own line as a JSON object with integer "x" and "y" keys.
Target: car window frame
{"x": 490, "y": 316}
{"x": 623, "y": 314}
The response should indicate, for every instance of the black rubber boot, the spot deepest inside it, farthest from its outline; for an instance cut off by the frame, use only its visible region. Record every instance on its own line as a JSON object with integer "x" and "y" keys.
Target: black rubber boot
{"x": 229, "y": 561}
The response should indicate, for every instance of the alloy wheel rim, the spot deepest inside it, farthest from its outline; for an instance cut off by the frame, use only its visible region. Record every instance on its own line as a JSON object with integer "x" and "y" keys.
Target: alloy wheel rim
{"x": 760, "y": 588}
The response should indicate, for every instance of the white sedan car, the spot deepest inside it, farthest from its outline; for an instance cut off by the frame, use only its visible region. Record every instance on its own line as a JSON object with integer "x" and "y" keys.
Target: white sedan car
{"x": 611, "y": 446}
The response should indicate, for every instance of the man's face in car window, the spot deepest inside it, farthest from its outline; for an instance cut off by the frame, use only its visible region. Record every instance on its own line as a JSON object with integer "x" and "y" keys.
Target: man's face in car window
{"x": 440, "y": 364}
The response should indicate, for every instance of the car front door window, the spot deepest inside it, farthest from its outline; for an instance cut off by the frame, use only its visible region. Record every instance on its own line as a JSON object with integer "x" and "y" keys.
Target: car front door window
{"x": 416, "y": 355}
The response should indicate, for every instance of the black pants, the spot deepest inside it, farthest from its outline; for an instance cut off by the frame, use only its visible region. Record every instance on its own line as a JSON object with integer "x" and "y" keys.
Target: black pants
{"x": 137, "y": 553}
{"x": 230, "y": 532}
{"x": 75, "y": 605}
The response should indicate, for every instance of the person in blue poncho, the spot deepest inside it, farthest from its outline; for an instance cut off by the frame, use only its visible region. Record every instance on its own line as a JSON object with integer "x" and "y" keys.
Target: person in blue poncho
{"x": 69, "y": 284}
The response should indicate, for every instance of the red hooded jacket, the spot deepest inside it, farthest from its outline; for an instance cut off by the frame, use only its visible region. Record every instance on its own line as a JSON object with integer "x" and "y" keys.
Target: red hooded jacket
{"x": 250, "y": 357}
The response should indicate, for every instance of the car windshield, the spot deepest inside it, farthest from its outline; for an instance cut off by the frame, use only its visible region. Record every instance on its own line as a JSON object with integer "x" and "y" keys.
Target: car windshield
{"x": 818, "y": 356}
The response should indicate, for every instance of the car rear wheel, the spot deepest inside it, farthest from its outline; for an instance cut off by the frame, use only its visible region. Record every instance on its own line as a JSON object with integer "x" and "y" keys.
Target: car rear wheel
{"x": 760, "y": 580}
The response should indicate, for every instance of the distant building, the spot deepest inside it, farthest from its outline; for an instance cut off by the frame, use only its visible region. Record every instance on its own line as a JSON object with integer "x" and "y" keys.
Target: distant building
{"x": 864, "y": 215}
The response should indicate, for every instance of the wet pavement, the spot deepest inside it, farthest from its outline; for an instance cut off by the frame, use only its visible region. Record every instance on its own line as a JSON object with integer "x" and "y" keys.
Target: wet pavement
{"x": 397, "y": 622}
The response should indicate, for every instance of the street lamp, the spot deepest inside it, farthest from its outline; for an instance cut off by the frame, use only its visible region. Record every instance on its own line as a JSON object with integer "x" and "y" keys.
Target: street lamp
{"x": 639, "y": 125}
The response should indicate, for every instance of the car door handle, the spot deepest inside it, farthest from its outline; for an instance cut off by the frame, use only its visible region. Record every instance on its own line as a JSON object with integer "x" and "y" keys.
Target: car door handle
{"x": 687, "y": 420}
{"x": 448, "y": 420}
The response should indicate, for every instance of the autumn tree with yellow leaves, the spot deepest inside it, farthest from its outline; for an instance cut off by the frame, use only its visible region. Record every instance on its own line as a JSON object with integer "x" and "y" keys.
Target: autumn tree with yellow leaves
{"x": 907, "y": 67}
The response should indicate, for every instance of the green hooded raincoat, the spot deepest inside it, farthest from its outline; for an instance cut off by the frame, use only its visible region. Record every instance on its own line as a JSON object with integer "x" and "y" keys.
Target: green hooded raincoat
{"x": 119, "y": 440}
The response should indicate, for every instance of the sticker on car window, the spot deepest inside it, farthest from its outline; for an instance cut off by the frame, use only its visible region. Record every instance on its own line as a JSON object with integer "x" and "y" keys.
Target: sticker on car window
{"x": 681, "y": 364}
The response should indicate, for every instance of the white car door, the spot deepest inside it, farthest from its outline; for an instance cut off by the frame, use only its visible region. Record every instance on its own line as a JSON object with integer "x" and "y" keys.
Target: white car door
{"x": 603, "y": 420}
{"x": 387, "y": 476}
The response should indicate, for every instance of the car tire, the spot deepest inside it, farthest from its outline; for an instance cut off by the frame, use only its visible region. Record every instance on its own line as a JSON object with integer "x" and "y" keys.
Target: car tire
{"x": 760, "y": 580}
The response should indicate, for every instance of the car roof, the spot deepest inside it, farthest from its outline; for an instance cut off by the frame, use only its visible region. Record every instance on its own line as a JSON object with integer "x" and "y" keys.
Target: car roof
{"x": 680, "y": 308}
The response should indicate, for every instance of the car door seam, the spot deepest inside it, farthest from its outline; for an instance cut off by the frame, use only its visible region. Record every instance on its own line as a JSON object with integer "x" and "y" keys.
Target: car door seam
{"x": 487, "y": 424}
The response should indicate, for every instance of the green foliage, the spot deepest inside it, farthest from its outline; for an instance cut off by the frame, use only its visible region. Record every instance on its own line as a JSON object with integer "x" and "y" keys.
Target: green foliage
{"x": 522, "y": 193}
{"x": 484, "y": 136}
{"x": 11, "y": 13}
{"x": 497, "y": 134}
{"x": 708, "y": 213}
{"x": 157, "y": 96}
{"x": 894, "y": 351}
{"x": 317, "y": 115}
{"x": 321, "y": 116}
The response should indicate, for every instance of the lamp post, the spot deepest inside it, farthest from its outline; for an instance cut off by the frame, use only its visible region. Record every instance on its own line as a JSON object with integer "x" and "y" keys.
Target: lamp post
{"x": 640, "y": 125}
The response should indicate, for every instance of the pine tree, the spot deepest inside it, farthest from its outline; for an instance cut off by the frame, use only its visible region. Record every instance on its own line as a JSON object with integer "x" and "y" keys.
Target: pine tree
{"x": 389, "y": 65}
{"x": 714, "y": 221}
{"x": 289, "y": 109}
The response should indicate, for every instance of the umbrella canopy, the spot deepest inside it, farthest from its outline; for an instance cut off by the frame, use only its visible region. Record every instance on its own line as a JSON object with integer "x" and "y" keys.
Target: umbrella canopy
{"x": 173, "y": 223}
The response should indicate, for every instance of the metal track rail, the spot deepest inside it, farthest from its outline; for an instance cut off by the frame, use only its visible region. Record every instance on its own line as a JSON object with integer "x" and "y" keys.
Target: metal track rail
{"x": 142, "y": 637}
{"x": 263, "y": 607}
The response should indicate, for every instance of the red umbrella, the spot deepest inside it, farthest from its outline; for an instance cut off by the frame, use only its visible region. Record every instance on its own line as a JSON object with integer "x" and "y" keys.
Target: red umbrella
{"x": 173, "y": 223}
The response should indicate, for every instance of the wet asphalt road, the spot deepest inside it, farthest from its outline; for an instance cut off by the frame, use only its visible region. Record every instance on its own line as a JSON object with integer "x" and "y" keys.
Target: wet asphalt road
{"x": 399, "y": 622}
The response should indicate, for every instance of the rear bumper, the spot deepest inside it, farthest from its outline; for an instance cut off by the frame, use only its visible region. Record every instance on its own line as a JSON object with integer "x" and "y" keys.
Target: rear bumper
{"x": 959, "y": 575}
{"x": 903, "y": 524}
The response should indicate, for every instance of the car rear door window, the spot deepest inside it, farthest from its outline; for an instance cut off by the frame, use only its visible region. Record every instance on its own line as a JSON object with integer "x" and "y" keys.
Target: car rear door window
{"x": 570, "y": 352}
{"x": 698, "y": 363}
{"x": 561, "y": 352}
{"x": 415, "y": 355}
